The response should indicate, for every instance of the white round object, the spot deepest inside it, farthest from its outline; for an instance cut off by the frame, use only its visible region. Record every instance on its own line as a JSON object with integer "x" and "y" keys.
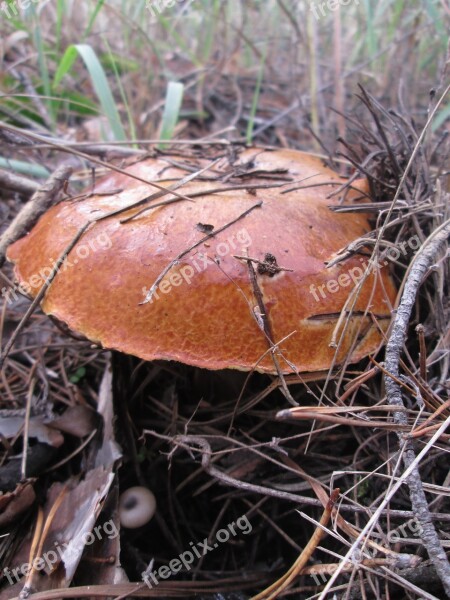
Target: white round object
{"x": 137, "y": 505}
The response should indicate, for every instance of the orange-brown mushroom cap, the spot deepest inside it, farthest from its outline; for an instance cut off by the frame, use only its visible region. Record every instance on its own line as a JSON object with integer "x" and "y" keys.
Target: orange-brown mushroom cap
{"x": 206, "y": 310}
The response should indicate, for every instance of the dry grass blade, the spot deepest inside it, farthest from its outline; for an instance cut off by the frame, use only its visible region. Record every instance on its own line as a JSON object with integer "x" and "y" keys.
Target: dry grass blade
{"x": 274, "y": 590}
{"x": 331, "y": 414}
{"x": 375, "y": 516}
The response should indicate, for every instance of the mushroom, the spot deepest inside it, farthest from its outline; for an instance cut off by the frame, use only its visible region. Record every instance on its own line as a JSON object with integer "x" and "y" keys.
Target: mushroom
{"x": 137, "y": 505}
{"x": 235, "y": 272}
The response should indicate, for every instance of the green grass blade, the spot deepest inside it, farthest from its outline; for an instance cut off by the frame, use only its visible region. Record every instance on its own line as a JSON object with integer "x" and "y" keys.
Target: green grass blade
{"x": 65, "y": 64}
{"x": 60, "y": 11}
{"x": 251, "y": 122}
{"x": 174, "y": 98}
{"x": 114, "y": 66}
{"x": 99, "y": 81}
{"x": 371, "y": 37}
{"x": 43, "y": 67}
{"x": 92, "y": 18}
{"x": 23, "y": 167}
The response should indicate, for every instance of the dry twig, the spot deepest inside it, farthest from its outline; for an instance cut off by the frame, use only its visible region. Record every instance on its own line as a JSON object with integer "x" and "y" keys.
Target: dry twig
{"x": 422, "y": 262}
{"x": 30, "y": 213}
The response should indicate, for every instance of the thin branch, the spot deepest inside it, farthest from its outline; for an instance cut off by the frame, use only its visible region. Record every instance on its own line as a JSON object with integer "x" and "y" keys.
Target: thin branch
{"x": 18, "y": 183}
{"x": 177, "y": 259}
{"x": 30, "y": 213}
{"x": 188, "y": 441}
{"x": 418, "y": 269}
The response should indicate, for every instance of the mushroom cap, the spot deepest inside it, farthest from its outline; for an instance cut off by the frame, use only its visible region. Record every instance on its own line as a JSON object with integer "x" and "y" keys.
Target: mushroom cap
{"x": 137, "y": 505}
{"x": 206, "y": 311}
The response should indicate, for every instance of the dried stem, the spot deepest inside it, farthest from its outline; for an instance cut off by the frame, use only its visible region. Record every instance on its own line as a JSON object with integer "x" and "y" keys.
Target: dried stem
{"x": 279, "y": 586}
{"x": 30, "y": 213}
{"x": 418, "y": 269}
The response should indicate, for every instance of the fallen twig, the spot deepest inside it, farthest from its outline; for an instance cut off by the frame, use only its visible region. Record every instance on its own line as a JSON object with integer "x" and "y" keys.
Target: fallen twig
{"x": 188, "y": 441}
{"x": 18, "y": 183}
{"x": 418, "y": 269}
{"x": 30, "y": 213}
{"x": 177, "y": 259}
